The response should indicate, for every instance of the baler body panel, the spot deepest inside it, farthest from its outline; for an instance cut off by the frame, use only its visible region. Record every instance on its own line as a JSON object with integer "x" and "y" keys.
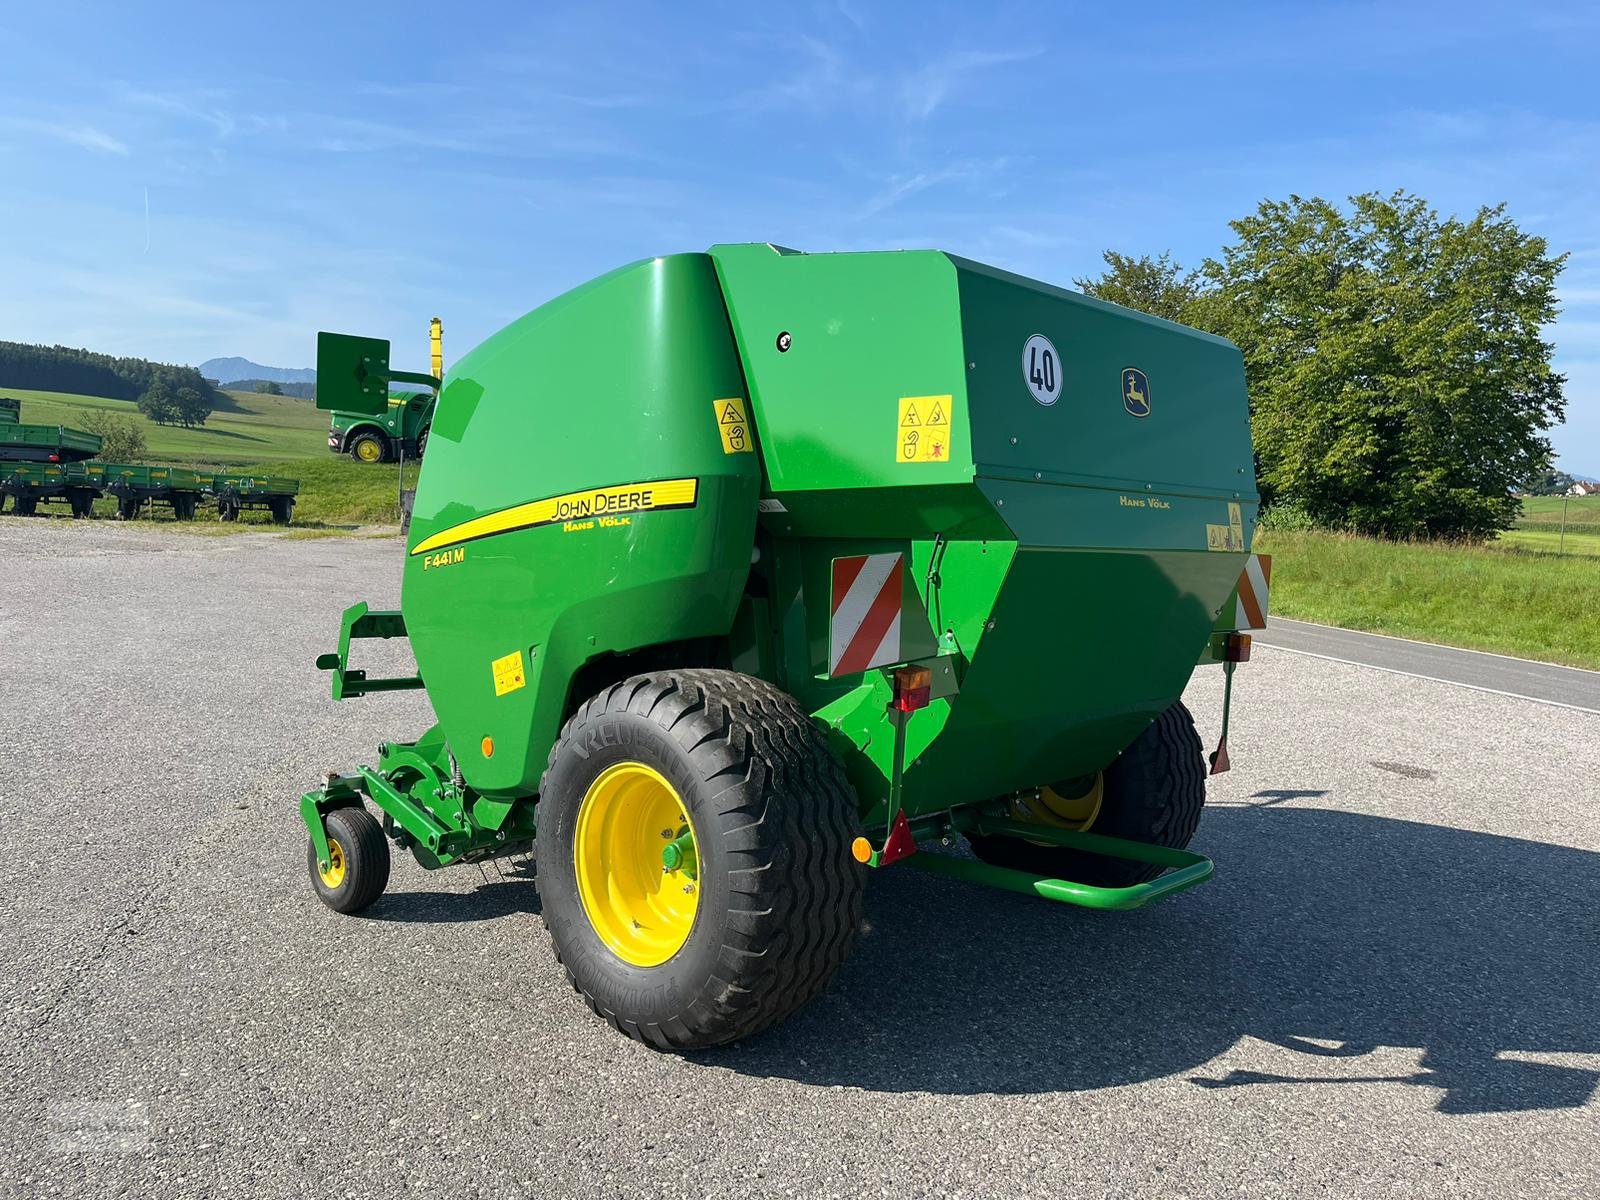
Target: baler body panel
{"x": 1068, "y": 554}
{"x": 577, "y": 500}
{"x": 1080, "y": 568}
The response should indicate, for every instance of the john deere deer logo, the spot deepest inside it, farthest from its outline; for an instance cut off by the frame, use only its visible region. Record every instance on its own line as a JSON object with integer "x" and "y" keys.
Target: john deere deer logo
{"x": 1135, "y": 392}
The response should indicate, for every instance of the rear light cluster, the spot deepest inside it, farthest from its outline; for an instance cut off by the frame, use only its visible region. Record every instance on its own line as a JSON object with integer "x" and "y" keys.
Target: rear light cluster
{"x": 913, "y": 687}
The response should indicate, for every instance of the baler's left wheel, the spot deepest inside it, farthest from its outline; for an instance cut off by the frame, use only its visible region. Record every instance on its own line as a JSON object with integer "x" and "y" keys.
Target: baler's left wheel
{"x": 694, "y": 862}
{"x": 1152, "y": 793}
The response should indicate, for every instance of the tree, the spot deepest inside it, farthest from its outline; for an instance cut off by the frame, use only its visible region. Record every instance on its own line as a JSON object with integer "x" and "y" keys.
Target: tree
{"x": 1549, "y": 482}
{"x": 1399, "y": 380}
{"x": 159, "y": 403}
{"x": 267, "y": 387}
{"x": 1157, "y": 286}
{"x": 194, "y": 406}
{"x": 121, "y": 439}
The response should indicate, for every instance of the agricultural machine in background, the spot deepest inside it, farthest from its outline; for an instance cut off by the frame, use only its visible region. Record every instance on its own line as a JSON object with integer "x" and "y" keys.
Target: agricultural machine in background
{"x": 734, "y": 577}
{"x": 397, "y": 432}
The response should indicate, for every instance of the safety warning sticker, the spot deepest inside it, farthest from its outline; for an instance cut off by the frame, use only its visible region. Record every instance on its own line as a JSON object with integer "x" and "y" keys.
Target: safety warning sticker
{"x": 1229, "y": 537}
{"x": 734, "y": 426}
{"x": 508, "y": 674}
{"x": 923, "y": 433}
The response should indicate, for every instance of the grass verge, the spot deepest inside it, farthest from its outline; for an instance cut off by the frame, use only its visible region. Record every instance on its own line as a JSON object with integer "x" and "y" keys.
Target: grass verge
{"x": 1494, "y": 597}
{"x": 255, "y": 429}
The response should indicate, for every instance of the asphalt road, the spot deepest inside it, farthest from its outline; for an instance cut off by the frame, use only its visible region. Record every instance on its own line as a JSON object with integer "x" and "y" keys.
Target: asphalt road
{"x": 1390, "y": 988}
{"x": 1471, "y": 668}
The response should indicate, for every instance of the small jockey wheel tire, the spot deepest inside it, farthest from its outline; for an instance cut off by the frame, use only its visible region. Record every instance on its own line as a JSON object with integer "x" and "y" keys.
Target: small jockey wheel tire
{"x": 358, "y": 867}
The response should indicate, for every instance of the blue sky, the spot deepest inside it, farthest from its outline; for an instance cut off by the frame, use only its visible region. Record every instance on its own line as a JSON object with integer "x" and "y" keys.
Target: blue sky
{"x": 190, "y": 181}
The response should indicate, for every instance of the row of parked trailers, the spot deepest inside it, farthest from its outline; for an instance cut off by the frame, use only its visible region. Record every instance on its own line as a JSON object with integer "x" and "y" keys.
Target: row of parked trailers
{"x": 51, "y": 464}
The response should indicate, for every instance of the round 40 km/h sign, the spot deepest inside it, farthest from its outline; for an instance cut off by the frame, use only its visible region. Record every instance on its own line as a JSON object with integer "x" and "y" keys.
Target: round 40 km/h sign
{"x": 1041, "y": 369}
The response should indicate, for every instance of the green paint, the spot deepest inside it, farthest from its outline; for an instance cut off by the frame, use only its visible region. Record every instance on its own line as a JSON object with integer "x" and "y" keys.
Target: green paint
{"x": 1058, "y": 549}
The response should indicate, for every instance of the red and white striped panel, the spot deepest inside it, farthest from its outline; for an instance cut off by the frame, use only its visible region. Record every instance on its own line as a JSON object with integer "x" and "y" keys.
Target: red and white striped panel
{"x": 1254, "y": 587}
{"x": 864, "y": 630}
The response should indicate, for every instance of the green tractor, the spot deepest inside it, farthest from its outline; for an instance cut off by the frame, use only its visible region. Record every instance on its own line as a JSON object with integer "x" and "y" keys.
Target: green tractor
{"x": 736, "y": 577}
{"x": 399, "y": 429}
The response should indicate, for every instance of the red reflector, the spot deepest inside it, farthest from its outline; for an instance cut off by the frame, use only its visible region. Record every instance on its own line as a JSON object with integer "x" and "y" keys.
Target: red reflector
{"x": 1237, "y": 648}
{"x": 912, "y": 689}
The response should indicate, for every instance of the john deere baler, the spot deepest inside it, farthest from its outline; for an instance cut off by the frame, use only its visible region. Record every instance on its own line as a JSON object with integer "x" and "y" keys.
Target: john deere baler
{"x": 734, "y": 576}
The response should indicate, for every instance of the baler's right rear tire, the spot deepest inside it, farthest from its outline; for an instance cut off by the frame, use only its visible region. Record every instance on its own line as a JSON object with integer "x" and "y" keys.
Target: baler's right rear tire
{"x": 1152, "y": 793}
{"x": 694, "y": 864}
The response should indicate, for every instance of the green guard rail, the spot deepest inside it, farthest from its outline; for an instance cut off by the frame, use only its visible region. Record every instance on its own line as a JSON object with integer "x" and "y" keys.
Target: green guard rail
{"x": 1186, "y": 867}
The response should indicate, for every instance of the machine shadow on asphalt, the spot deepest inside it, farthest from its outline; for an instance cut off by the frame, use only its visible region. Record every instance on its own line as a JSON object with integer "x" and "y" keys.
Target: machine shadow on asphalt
{"x": 1328, "y": 933}
{"x": 497, "y": 898}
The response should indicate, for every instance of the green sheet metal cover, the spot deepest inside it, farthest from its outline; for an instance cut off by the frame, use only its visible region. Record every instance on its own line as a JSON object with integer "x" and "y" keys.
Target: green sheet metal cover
{"x": 583, "y": 493}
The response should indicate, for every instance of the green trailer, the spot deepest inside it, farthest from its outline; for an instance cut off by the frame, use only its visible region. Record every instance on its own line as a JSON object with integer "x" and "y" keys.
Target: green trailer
{"x": 179, "y": 488}
{"x": 45, "y": 443}
{"x": 29, "y": 484}
{"x": 737, "y": 577}
{"x": 234, "y": 493}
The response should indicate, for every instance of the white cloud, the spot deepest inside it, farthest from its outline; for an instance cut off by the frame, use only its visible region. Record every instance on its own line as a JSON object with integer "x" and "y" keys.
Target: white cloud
{"x": 924, "y": 90}
{"x": 83, "y": 135}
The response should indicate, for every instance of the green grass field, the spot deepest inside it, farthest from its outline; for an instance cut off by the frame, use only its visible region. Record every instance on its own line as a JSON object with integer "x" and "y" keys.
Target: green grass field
{"x": 1550, "y": 541}
{"x": 259, "y": 429}
{"x": 1492, "y": 597}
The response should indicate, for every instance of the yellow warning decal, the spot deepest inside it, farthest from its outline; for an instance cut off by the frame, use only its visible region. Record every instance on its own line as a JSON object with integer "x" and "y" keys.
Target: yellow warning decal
{"x": 508, "y": 673}
{"x": 733, "y": 425}
{"x": 1229, "y": 537}
{"x": 923, "y": 432}
{"x": 573, "y": 506}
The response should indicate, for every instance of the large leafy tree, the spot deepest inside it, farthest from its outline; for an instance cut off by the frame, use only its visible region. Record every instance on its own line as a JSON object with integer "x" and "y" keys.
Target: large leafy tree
{"x": 159, "y": 403}
{"x": 1399, "y": 376}
{"x": 1400, "y": 382}
{"x": 194, "y": 406}
{"x": 1157, "y": 286}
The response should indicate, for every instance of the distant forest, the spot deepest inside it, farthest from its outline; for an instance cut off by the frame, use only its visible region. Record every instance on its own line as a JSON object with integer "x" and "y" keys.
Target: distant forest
{"x": 303, "y": 391}
{"x": 65, "y": 369}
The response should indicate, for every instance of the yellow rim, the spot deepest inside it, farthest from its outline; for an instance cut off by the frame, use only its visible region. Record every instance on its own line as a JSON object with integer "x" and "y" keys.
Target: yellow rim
{"x": 1076, "y": 808}
{"x": 368, "y": 451}
{"x": 334, "y": 875}
{"x": 634, "y": 857}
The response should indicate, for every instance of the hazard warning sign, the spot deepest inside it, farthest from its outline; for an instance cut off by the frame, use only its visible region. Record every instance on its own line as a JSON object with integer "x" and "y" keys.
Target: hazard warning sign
{"x": 734, "y": 426}
{"x": 923, "y": 432}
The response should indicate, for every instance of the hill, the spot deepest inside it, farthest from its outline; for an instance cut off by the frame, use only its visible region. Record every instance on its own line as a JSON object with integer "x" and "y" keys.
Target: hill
{"x": 243, "y": 368}
{"x": 254, "y": 428}
{"x": 75, "y": 371}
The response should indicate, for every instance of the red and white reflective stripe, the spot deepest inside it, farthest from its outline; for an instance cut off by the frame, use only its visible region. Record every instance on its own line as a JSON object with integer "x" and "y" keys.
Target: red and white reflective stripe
{"x": 1254, "y": 587}
{"x": 865, "y": 627}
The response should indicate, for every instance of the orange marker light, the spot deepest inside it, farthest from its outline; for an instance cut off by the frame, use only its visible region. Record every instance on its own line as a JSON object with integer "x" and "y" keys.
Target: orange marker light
{"x": 862, "y": 849}
{"x": 488, "y": 747}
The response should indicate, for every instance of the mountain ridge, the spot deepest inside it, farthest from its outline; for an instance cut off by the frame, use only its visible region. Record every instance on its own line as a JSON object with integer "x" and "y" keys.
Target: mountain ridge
{"x": 226, "y": 369}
